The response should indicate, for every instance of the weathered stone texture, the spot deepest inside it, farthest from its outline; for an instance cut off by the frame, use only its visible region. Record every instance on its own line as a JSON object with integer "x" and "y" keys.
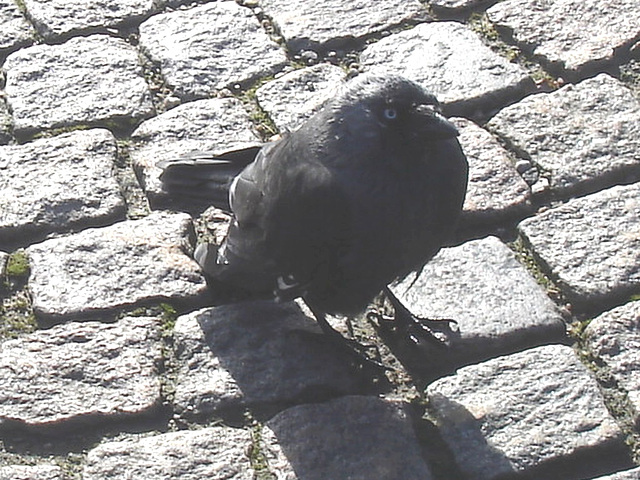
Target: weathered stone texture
{"x": 80, "y": 373}
{"x": 31, "y": 472}
{"x": 217, "y": 453}
{"x": 207, "y": 48}
{"x": 85, "y": 81}
{"x": 56, "y": 184}
{"x": 517, "y": 413}
{"x": 258, "y": 354}
{"x": 584, "y": 136}
{"x": 352, "y": 437}
{"x": 309, "y": 24}
{"x": 591, "y": 245}
{"x": 573, "y": 33}
{"x": 496, "y": 191}
{"x": 126, "y": 264}
{"x": 453, "y": 63}
{"x": 54, "y": 18}
{"x": 498, "y": 305}
{"x": 15, "y": 31}
{"x": 293, "y": 98}
{"x": 614, "y": 339}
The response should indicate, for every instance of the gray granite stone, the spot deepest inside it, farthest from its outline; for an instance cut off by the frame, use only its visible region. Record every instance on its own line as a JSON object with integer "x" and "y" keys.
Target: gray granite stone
{"x": 216, "y": 124}
{"x": 57, "y": 184}
{"x": 353, "y": 437}
{"x": 80, "y": 374}
{"x": 6, "y": 122}
{"x": 521, "y": 413}
{"x": 210, "y": 47}
{"x": 293, "y": 98}
{"x": 585, "y": 136}
{"x": 329, "y": 24}
{"x": 591, "y": 245}
{"x": 15, "y": 31}
{"x": 126, "y": 264}
{"x": 55, "y": 18}
{"x": 633, "y": 474}
{"x": 453, "y": 63}
{"x": 216, "y": 453}
{"x": 496, "y": 191}
{"x": 258, "y": 354}
{"x": 571, "y": 33}
{"x": 614, "y": 339}
{"x": 31, "y": 472}
{"x": 498, "y": 305}
{"x": 85, "y": 81}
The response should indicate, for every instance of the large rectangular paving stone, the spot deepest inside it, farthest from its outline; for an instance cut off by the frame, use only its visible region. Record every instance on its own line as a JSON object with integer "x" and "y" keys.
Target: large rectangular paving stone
{"x": 632, "y": 474}
{"x": 591, "y": 245}
{"x": 584, "y": 137}
{"x": 453, "y": 63}
{"x": 497, "y": 303}
{"x": 15, "y": 30}
{"x": 354, "y": 437}
{"x": 31, "y": 472}
{"x": 55, "y": 18}
{"x": 214, "y": 124}
{"x": 614, "y": 339}
{"x": 57, "y": 184}
{"x": 80, "y": 374}
{"x": 104, "y": 269}
{"x": 574, "y": 34}
{"x": 524, "y": 413}
{"x": 84, "y": 81}
{"x": 293, "y": 98}
{"x": 309, "y": 24}
{"x": 216, "y": 453}
{"x": 210, "y": 47}
{"x": 256, "y": 354}
{"x": 496, "y": 191}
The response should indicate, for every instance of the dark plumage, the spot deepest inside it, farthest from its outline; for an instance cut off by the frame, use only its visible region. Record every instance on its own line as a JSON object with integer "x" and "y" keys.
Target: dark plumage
{"x": 364, "y": 193}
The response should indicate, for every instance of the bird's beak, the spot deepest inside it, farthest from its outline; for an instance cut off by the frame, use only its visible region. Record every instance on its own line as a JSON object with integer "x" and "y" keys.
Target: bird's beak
{"x": 434, "y": 125}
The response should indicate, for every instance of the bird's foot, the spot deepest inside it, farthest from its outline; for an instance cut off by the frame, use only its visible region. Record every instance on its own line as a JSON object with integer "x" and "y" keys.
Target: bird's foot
{"x": 357, "y": 351}
{"x": 417, "y": 329}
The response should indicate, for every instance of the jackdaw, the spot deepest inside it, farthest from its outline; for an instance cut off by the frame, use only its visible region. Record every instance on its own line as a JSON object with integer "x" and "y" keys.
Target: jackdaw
{"x": 361, "y": 195}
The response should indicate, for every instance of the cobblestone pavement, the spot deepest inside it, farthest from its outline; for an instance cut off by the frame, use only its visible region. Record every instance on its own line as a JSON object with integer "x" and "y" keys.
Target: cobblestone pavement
{"x": 114, "y": 363}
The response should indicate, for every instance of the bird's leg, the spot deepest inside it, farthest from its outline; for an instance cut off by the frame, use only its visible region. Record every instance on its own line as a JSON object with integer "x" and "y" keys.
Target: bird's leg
{"x": 414, "y": 327}
{"x": 356, "y": 350}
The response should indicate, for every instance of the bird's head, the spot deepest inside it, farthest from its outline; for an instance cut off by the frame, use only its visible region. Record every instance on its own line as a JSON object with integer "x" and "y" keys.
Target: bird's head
{"x": 392, "y": 108}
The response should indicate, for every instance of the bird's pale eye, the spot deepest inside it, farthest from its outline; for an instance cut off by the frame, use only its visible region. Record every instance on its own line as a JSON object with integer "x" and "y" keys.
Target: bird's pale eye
{"x": 390, "y": 113}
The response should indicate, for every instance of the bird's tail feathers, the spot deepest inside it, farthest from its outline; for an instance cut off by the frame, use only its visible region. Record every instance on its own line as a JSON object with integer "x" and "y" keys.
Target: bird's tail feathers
{"x": 205, "y": 177}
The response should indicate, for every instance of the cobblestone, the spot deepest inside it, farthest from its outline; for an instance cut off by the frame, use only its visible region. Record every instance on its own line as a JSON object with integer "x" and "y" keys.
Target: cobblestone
{"x": 514, "y": 414}
{"x": 584, "y": 137}
{"x": 16, "y": 31}
{"x": 451, "y": 61}
{"x": 76, "y": 185}
{"x": 210, "y": 47}
{"x": 575, "y": 34}
{"x": 614, "y": 339}
{"x": 59, "y": 18}
{"x": 591, "y": 245}
{"x": 44, "y": 83}
{"x": 80, "y": 374}
{"x": 95, "y": 383}
{"x": 101, "y": 270}
{"x": 330, "y": 24}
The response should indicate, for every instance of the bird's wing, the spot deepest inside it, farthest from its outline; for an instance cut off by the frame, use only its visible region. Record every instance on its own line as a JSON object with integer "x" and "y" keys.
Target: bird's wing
{"x": 292, "y": 210}
{"x": 205, "y": 177}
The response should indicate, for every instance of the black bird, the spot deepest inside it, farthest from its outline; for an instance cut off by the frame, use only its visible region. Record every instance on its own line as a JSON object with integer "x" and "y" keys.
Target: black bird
{"x": 363, "y": 194}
